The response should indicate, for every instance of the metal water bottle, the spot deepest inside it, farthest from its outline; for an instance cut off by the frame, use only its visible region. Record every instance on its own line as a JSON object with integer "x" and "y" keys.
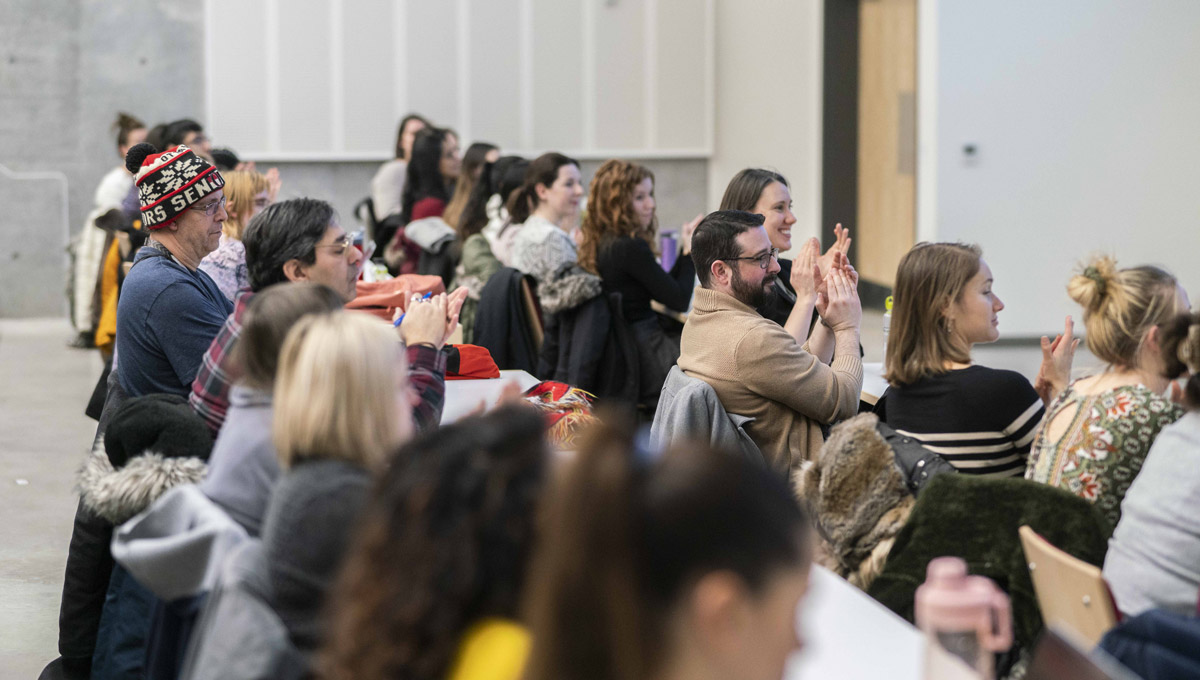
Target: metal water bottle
{"x": 887, "y": 326}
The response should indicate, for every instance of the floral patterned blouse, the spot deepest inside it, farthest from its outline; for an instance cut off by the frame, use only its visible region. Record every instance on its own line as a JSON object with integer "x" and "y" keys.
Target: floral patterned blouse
{"x": 1103, "y": 447}
{"x": 227, "y": 266}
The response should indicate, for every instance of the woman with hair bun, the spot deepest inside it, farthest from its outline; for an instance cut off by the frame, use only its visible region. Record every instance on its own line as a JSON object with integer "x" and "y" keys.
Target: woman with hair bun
{"x": 618, "y": 245}
{"x": 1153, "y": 559}
{"x": 1097, "y": 432}
{"x": 688, "y": 564}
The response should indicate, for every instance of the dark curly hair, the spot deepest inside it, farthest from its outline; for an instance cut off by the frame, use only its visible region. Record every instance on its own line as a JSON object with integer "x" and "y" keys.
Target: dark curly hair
{"x": 443, "y": 544}
{"x": 610, "y": 212}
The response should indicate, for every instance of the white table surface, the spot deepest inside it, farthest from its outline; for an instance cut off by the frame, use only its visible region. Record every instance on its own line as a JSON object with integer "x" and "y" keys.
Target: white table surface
{"x": 873, "y": 382}
{"x": 464, "y": 396}
{"x": 849, "y": 636}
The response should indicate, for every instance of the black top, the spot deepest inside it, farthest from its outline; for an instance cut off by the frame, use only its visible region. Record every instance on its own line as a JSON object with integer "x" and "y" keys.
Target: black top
{"x": 981, "y": 420}
{"x": 627, "y": 266}
{"x": 779, "y": 307}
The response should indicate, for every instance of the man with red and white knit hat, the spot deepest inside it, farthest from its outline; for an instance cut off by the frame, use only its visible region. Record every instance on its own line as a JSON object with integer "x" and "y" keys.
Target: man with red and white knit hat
{"x": 170, "y": 310}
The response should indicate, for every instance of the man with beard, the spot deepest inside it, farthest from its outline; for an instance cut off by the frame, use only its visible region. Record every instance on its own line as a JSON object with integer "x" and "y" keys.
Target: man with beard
{"x": 756, "y": 367}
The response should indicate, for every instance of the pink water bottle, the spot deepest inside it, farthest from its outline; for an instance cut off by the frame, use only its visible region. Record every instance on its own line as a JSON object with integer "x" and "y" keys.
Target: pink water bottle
{"x": 967, "y": 616}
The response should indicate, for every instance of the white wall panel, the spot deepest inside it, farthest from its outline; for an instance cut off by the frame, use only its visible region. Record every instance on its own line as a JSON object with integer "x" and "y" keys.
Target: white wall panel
{"x": 620, "y": 63}
{"x": 557, "y": 89}
{"x": 295, "y": 80}
{"x": 369, "y": 74}
{"x": 237, "y": 75}
{"x": 305, "y": 76}
{"x": 495, "y": 71}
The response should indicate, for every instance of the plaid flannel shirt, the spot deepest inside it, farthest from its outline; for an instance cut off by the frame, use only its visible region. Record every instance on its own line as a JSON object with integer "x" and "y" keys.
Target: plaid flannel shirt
{"x": 210, "y": 391}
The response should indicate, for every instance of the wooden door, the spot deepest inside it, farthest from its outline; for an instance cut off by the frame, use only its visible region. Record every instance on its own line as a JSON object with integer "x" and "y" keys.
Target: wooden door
{"x": 887, "y": 136}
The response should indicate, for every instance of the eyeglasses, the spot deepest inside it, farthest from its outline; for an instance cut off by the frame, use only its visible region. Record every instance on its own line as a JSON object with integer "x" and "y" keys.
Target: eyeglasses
{"x": 763, "y": 261}
{"x": 211, "y": 207}
{"x": 356, "y": 240}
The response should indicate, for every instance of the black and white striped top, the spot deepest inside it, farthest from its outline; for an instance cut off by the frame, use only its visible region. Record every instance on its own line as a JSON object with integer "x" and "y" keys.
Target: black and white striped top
{"x": 981, "y": 420}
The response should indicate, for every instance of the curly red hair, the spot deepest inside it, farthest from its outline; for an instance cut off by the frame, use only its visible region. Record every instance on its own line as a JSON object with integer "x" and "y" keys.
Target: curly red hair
{"x": 610, "y": 212}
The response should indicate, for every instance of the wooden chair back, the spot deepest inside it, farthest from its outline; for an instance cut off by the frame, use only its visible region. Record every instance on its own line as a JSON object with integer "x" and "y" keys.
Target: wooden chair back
{"x": 1070, "y": 592}
{"x": 532, "y": 312}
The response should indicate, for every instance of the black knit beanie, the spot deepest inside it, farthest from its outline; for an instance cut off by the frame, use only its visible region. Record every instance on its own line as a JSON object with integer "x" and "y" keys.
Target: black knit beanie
{"x": 156, "y": 423}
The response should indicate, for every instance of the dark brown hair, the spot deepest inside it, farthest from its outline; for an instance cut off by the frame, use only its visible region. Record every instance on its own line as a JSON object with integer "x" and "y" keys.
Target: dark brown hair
{"x": 744, "y": 189}
{"x": 929, "y": 279}
{"x": 123, "y": 125}
{"x": 1180, "y": 341}
{"x": 444, "y": 543}
{"x": 400, "y": 132}
{"x": 473, "y": 162}
{"x": 627, "y": 533}
{"x": 269, "y": 317}
{"x": 610, "y": 212}
{"x": 543, "y": 170}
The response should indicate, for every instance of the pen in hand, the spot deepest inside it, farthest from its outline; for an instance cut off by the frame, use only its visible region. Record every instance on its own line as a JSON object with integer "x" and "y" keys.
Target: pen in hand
{"x": 396, "y": 323}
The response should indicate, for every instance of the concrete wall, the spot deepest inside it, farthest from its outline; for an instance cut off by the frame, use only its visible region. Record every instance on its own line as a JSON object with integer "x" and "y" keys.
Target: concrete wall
{"x": 68, "y": 67}
{"x": 1083, "y": 116}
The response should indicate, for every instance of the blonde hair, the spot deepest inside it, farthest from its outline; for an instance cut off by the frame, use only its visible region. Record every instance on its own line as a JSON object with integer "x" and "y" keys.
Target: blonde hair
{"x": 1121, "y": 306}
{"x": 335, "y": 392}
{"x": 930, "y": 278}
{"x": 241, "y": 187}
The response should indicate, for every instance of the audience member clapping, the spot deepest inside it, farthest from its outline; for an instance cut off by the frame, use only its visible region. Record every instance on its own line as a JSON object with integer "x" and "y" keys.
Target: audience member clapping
{"x": 432, "y": 588}
{"x": 1099, "y": 429}
{"x": 981, "y": 420}
{"x": 689, "y": 564}
{"x": 756, "y": 367}
{"x": 767, "y": 193}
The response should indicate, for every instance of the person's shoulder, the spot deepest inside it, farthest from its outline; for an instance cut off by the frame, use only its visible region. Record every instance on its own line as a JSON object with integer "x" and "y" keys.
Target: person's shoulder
{"x": 999, "y": 378}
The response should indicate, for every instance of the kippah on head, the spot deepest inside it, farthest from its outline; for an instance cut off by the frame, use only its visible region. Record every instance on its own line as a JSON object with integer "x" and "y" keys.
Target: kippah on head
{"x": 170, "y": 182}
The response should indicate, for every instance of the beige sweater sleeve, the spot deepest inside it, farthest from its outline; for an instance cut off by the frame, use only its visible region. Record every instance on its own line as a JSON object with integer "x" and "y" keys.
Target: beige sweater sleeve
{"x": 772, "y": 364}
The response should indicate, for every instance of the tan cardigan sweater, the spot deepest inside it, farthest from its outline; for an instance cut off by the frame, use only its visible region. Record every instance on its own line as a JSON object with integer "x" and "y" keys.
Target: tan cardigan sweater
{"x": 758, "y": 370}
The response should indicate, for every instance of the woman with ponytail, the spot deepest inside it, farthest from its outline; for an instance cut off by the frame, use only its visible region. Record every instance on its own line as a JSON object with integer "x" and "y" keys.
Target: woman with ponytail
{"x": 686, "y": 565}
{"x": 547, "y": 200}
{"x": 1153, "y": 559}
{"x": 1097, "y": 432}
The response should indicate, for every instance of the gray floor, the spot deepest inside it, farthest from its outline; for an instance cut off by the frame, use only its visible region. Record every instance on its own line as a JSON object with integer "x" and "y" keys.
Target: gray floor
{"x": 44, "y": 387}
{"x": 44, "y": 436}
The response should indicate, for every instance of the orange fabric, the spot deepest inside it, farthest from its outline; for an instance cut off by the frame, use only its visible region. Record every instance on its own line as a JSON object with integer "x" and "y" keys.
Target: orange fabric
{"x": 383, "y": 298}
{"x": 106, "y": 328}
{"x": 474, "y": 363}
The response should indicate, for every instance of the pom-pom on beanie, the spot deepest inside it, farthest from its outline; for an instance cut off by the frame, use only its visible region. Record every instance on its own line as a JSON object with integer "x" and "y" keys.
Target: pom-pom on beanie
{"x": 170, "y": 182}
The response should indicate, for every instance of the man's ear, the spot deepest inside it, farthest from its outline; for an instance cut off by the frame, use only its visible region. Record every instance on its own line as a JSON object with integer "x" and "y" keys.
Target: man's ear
{"x": 294, "y": 270}
{"x": 718, "y": 272}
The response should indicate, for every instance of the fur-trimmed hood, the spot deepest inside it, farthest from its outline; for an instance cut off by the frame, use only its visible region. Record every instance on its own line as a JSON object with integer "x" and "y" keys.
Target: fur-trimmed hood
{"x": 858, "y": 499}
{"x": 118, "y": 495}
{"x": 571, "y": 286}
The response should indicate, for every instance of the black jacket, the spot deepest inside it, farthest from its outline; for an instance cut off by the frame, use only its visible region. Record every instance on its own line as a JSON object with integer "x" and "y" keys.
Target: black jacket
{"x": 590, "y": 346}
{"x": 502, "y": 325}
